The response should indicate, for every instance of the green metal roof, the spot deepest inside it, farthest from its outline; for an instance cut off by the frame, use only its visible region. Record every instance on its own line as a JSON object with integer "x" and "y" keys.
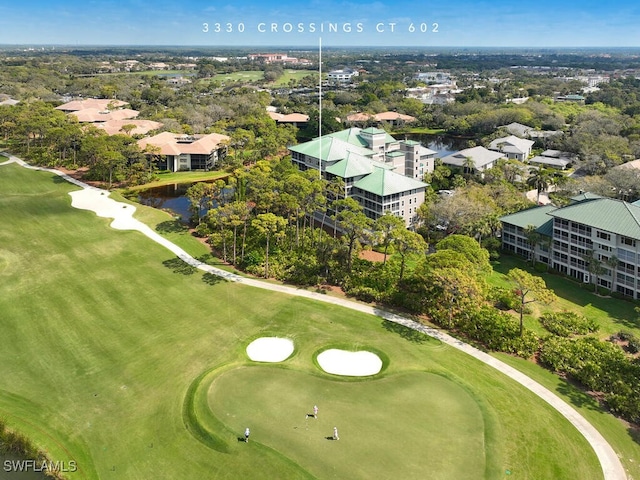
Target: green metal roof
{"x": 585, "y": 196}
{"x": 352, "y": 166}
{"x": 536, "y": 216}
{"x": 350, "y": 135}
{"x": 373, "y": 130}
{"x": 383, "y": 182}
{"x": 329, "y": 148}
{"x": 377, "y": 131}
{"x": 615, "y": 216}
{"x": 338, "y": 143}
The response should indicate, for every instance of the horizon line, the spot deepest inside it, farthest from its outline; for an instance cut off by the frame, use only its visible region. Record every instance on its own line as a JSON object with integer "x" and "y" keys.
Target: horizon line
{"x": 314, "y": 46}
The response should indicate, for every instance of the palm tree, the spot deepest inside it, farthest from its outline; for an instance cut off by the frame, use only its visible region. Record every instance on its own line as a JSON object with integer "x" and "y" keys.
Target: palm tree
{"x": 533, "y": 238}
{"x": 540, "y": 179}
{"x": 468, "y": 165}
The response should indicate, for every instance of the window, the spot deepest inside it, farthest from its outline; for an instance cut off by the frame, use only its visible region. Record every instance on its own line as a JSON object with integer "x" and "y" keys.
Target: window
{"x": 626, "y": 256}
{"x": 603, "y": 235}
{"x": 628, "y": 241}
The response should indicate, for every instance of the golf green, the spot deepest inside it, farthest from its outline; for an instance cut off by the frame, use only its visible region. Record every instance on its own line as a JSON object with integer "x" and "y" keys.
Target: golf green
{"x": 415, "y": 425}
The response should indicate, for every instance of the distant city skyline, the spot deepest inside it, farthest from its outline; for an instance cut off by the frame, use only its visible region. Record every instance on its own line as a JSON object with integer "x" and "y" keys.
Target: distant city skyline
{"x": 416, "y": 23}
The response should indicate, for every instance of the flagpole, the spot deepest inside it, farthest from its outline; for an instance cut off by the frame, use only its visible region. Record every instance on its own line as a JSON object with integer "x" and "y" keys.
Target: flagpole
{"x": 320, "y": 105}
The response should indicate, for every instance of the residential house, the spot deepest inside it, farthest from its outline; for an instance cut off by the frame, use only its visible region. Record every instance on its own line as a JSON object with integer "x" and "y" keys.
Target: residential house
{"x": 434, "y": 77}
{"x": 518, "y": 129}
{"x": 440, "y": 94}
{"x": 178, "y": 152}
{"x": 631, "y": 164}
{"x": 593, "y": 239}
{"x": 95, "y": 115}
{"x": 277, "y": 58}
{"x": 101, "y": 104}
{"x": 140, "y": 127}
{"x": 513, "y": 148}
{"x": 477, "y": 159}
{"x": 553, "y": 159}
{"x": 342, "y": 76}
{"x": 295, "y": 119}
{"x": 380, "y": 172}
{"x": 392, "y": 118}
{"x": 100, "y": 111}
{"x": 525, "y": 131}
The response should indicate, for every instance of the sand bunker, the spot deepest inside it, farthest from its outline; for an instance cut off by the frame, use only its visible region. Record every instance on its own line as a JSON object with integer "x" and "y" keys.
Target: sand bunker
{"x": 354, "y": 364}
{"x": 270, "y": 349}
{"x": 99, "y": 202}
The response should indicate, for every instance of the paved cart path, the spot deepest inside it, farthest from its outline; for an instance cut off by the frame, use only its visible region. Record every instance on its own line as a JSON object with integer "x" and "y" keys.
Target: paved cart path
{"x": 98, "y": 201}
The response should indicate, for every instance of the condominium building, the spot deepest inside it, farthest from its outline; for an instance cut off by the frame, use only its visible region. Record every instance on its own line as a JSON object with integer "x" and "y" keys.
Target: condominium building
{"x": 178, "y": 152}
{"x": 380, "y": 172}
{"x": 593, "y": 239}
{"x": 344, "y": 75}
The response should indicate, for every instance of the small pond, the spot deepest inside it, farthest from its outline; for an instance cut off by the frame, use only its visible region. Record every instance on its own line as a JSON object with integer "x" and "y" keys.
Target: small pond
{"x": 168, "y": 197}
{"x": 172, "y": 199}
{"x": 443, "y": 144}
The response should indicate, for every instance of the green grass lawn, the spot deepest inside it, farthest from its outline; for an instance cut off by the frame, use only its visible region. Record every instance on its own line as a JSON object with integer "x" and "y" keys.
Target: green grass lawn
{"x": 181, "y": 177}
{"x": 258, "y": 75}
{"x": 612, "y": 314}
{"x": 242, "y": 76}
{"x": 293, "y": 75}
{"x": 115, "y": 356}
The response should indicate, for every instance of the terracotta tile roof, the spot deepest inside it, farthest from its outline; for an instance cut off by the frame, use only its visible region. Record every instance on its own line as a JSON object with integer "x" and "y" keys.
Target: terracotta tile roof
{"x": 143, "y": 127}
{"x": 176, "y": 144}
{"x": 96, "y": 115}
{"x": 392, "y": 116}
{"x": 290, "y": 118}
{"x": 99, "y": 103}
{"x": 380, "y": 117}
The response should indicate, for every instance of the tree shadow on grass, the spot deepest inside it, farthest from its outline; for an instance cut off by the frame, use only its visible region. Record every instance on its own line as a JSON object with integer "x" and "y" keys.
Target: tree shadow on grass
{"x": 56, "y": 178}
{"x": 207, "y": 258}
{"x": 578, "y": 397}
{"x": 634, "y": 433}
{"x": 171, "y": 226}
{"x": 211, "y": 279}
{"x": 405, "y": 332}
{"x": 179, "y": 266}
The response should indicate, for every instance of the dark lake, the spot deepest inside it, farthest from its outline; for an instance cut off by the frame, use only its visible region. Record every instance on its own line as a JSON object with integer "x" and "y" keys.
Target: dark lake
{"x": 442, "y": 144}
{"x": 170, "y": 198}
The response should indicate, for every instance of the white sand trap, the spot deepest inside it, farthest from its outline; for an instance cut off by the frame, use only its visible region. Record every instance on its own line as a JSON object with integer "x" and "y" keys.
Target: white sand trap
{"x": 270, "y": 349}
{"x": 99, "y": 202}
{"x": 353, "y": 364}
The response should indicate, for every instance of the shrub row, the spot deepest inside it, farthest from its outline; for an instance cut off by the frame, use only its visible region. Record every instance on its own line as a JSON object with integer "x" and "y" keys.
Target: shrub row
{"x": 565, "y": 324}
{"x": 599, "y": 366}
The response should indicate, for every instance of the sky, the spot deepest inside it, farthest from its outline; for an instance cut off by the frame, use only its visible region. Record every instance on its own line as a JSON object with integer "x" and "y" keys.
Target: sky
{"x": 412, "y": 23}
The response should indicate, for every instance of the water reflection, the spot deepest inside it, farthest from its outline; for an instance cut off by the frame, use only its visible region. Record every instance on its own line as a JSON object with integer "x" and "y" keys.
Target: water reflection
{"x": 172, "y": 198}
{"x": 442, "y": 144}
{"x": 168, "y": 197}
